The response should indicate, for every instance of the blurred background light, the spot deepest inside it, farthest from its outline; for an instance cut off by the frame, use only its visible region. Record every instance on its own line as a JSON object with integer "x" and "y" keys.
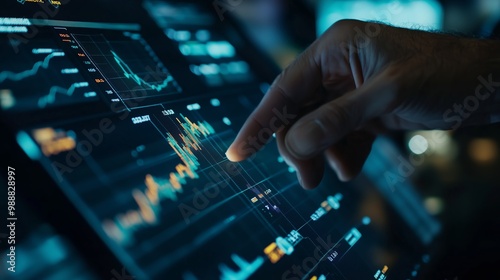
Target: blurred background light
{"x": 421, "y": 14}
{"x": 434, "y": 205}
{"x": 7, "y": 100}
{"x": 483, "y": 150}
{"x": 418, "y": 144}
{"x": 436, "y": 142}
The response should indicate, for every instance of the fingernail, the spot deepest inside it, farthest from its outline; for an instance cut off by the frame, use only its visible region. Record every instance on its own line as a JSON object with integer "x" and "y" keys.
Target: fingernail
{"x": 306, "y": 139}
{"x": 228, "y": 155}
{"x": 231, "y": 154}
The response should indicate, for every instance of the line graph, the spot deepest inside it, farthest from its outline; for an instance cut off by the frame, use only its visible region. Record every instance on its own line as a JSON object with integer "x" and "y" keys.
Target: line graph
{"x": 50, "y": 98}
{"x": 43, "y": 77}
{"x": 122, "y": 227}
{"x": 130, "y": 67}
{"x": 171, "y": 198}
{"x": 43, "y": 64}
{"x": 130, "y": 75}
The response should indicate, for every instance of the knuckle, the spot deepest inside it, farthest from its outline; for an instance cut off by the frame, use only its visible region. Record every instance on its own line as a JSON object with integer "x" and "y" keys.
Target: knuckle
{"x": 335, "y": 118}
{"x": 343, "y": 25}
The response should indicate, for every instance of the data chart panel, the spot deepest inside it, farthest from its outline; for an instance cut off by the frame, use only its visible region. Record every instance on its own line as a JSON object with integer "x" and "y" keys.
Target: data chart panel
{"x": 42, "y": 77}
{"x": 129, "y": 65}
{"x": 130, "y": 125}
{"x": 167, "y": 198}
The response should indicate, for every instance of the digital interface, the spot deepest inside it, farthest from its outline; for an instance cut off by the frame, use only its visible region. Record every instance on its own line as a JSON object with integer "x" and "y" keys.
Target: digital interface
{"x": 135, "y": 135}
{"x": 109, "y": 58}
{"x": 211, "y": 57}
{"x": 43, "y": 63}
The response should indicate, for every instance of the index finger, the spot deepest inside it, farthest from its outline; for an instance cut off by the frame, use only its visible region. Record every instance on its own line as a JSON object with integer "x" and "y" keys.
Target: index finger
{"x": 279, "y": 107}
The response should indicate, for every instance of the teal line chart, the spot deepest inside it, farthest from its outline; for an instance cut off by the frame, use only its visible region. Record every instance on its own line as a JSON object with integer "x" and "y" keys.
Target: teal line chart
{"x": 130, "y": 67}
{"x": 50, "y": 98}
{"x": 42, "y": 76}
{"x": 43, "y": 64}
{"x": 128, "y": 73}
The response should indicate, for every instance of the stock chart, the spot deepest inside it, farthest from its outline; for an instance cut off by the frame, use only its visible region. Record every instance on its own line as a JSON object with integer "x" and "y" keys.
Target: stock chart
{"x": 172, "y": 194}
{"x": 143, "y": 159}
{"x": 42, "y": 78}
{"x": 129, "y": 65}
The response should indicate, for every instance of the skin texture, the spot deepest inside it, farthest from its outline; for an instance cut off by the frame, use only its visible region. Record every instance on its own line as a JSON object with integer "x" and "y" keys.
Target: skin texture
{"x": 361, "y": 78}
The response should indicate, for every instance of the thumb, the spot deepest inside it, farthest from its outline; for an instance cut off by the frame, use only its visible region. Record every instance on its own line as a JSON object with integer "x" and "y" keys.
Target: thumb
{"x": 328, "y": 124}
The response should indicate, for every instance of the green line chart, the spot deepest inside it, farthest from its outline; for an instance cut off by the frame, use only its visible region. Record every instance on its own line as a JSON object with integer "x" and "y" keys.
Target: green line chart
{"x": 50, "y": 98}
{"x": 128, "y": 73}
{"x": 43, "y": 64}
{"x": 42, "y": 77}
{"x": 130, "y": 67}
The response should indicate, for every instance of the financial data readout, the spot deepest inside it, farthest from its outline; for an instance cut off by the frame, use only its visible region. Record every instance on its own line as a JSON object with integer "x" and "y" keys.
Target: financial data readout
{"x": 146, "y": 168}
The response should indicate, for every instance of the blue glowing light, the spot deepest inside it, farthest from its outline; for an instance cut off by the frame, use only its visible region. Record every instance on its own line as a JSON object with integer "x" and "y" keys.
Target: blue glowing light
{"x": 28, "y": 145}
{"x": 226, "y": 121}
{"x": 421, "y": 14}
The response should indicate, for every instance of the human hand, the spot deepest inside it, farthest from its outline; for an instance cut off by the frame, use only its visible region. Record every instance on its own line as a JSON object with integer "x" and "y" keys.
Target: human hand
{"x": 360, "y": 78}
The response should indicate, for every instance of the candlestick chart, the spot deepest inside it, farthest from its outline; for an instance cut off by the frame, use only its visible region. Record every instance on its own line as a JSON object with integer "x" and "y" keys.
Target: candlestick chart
{"x": 151, "y": 178}
{"x": 158, "y": 189}
{"x": 173, "y": 194}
